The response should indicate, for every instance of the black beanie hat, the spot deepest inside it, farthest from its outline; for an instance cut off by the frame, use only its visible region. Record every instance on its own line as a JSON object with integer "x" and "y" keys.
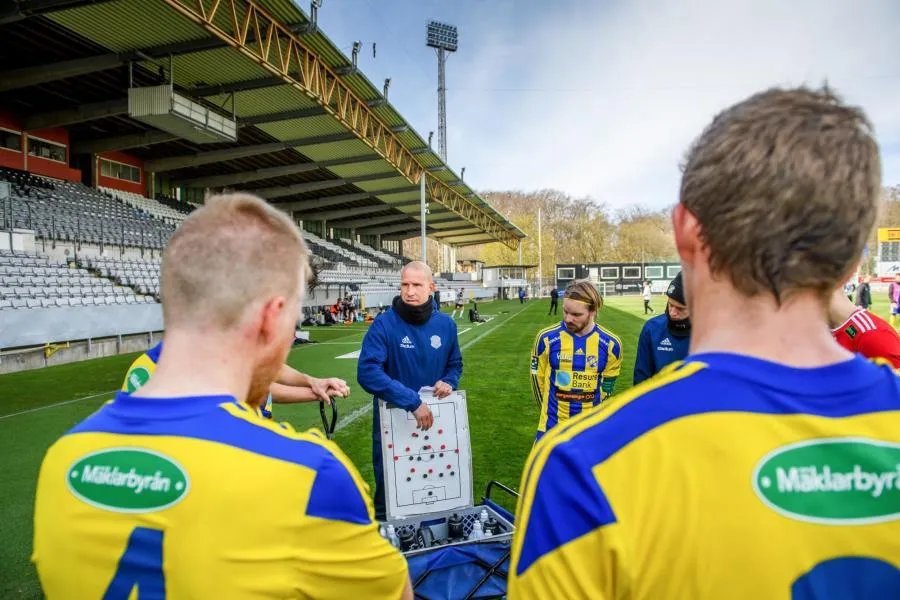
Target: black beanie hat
{"x": 676, "y": 290}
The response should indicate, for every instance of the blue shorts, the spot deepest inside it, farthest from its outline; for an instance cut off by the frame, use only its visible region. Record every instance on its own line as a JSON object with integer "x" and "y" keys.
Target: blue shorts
{"x": 895, "y": 310}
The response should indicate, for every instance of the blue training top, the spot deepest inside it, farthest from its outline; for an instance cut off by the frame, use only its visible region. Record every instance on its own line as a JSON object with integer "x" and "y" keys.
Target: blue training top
{"x": 398, "y": 358}
{"x": 658, "y": 348}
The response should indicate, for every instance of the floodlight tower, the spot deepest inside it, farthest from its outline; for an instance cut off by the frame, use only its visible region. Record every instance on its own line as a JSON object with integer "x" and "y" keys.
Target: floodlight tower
{"x": 444, "y": 39}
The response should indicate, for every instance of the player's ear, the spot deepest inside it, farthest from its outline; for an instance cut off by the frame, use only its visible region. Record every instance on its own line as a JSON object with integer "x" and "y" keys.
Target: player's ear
{"x": 687, "y": 231}
{"x": 269, "y": 320}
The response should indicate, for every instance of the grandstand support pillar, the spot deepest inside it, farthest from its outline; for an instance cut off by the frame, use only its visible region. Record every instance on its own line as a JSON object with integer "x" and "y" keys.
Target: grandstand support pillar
{"x": 324, "y": 229}
{"x": 378, "y": 242}
{"x": 422, "y": 211}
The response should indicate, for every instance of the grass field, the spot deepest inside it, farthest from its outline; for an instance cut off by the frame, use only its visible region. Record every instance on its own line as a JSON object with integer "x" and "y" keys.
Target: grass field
{"x": 36, "y": 407}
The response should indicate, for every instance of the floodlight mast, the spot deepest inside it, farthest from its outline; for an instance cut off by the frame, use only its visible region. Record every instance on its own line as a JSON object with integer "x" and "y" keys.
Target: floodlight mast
{"x": 443, "y": 38}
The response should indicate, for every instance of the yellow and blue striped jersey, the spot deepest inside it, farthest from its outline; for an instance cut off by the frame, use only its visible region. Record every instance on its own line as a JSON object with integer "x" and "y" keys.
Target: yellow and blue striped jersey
{"x": 724, "y": 476}
{"x": 141, "y": 369}
{"x": 144, "y": 366}
{"x": 199, "y": 498}
{"x": 571, "y": 374}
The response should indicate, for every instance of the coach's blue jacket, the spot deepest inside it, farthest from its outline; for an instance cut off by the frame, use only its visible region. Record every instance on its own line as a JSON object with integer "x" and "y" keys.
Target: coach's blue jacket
{"x": 658, "y": 348}
{"x": 398, "y": 358}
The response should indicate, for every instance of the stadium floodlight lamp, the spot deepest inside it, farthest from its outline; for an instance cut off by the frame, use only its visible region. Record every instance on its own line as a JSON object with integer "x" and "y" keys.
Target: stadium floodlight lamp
{"x": 442, "y": 36}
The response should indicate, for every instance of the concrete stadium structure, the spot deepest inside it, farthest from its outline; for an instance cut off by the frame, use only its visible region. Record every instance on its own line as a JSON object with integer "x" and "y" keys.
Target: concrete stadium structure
{"x": 118, "y": 117}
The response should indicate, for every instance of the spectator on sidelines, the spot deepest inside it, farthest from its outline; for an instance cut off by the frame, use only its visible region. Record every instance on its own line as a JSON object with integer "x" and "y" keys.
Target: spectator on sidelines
{"x": 554, "y": 301}
{"x": 864, "y": 293}
{"x": 666, "y": 338}
{"x": 894, "y": 298}
{"x": 648, "y": 295}
{"x": 407, "y": 348}
{"x": 460, "y": 304}
{"x": 769, "y": 431}
{"x": 178, "y": 490}
{"x": 861, "y": 331}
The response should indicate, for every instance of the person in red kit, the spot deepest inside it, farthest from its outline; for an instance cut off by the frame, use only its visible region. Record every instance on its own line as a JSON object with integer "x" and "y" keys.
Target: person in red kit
{"x": 861, "y": 331}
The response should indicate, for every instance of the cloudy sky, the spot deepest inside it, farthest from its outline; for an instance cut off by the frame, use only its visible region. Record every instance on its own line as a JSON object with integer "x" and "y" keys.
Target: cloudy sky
{"x": 600, "y": 98}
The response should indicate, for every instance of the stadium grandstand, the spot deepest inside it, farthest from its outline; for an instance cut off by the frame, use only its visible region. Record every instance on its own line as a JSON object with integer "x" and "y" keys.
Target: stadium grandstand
{"x": 112, "y": 131}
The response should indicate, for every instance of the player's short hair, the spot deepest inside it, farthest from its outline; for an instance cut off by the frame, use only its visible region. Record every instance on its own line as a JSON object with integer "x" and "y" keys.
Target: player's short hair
{"x": 785, "y": 186}
{"x": 233, "y": 251}
{"x": 582, "y": 290}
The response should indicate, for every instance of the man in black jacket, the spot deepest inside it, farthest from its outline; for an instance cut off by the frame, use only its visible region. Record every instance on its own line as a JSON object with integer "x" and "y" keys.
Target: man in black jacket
{"x": 554, "y": 301}
{"x": 864, "y": 293}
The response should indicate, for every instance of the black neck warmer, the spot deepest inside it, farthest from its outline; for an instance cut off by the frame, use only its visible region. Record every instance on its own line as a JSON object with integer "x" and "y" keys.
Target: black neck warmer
{"x": 411, "y": 313}
{"x": 679, "y": 327}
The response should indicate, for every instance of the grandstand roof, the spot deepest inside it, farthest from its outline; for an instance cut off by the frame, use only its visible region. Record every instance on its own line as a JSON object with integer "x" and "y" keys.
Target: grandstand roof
{"x": 315, "y": 136}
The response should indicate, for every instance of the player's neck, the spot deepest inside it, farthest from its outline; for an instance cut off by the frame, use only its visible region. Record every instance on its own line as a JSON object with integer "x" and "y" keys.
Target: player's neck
{"x": 795, "y": 334}
{"x": 840, "y": 312}
{"x": 198, "y": 365}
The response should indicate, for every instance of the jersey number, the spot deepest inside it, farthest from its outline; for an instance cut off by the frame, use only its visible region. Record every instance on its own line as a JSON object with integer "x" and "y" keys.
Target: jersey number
{"x": 848, "y": 577}
{"x": 140, "y": 566}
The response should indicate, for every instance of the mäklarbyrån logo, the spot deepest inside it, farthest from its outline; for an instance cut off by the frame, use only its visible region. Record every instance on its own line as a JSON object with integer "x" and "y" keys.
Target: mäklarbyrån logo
{"x": 834, "y": 481}
{"x": 128, "y": 480}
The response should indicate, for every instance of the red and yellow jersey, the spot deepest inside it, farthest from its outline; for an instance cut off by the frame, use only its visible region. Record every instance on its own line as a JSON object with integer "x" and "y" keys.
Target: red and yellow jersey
{"x": 724, "y": 476}
{"x": 199, "y": 498}
{"x": 870, "y": 335}
{"x": 571, "y": 374}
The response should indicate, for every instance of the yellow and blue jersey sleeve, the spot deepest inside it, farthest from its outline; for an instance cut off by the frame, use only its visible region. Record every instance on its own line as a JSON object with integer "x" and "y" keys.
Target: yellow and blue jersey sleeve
{"x": 141, "y": 369}
{"x": 555, "y": 558}
{"x": 540, "y": 367}
{"x": 138, "y": 373}
{"x": 230, "y": 506}
{"x": 613, "y": 367}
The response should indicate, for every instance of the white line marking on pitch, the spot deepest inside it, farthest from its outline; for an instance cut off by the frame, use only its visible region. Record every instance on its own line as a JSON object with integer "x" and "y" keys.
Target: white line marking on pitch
{"x": 31, "y": 410}
{"x": 339, "y": 425}
{"x": 354, "y": 354}
{"x": 362, "y": 410}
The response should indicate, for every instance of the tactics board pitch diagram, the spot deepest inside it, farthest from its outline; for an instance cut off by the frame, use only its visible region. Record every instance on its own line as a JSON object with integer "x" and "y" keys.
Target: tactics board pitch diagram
{"x": 427, "y": 471}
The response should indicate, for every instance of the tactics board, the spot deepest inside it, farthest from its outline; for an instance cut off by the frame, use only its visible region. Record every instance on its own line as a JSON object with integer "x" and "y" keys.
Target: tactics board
{"x": 427, "y": 471}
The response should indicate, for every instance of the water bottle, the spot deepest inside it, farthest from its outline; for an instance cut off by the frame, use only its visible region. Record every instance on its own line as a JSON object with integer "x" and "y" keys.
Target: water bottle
{"x": 383, "y": 533}
{"x": 483, "y": 516}
{"x": 455, "y": 527}
{"x": 392, "y": 536}
{"x": 477, "y": 531}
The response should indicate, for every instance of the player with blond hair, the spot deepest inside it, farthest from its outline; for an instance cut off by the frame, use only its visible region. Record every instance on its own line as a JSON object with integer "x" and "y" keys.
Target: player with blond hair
{"x": 159, "y": 491}
{"x": 575, "y": 363}
{"x": 764, "y": 465}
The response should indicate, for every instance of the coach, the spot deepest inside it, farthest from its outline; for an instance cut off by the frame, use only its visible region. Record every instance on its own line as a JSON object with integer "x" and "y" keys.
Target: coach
{"x": 666, "y": 338}
{"x": 408, "y": 347}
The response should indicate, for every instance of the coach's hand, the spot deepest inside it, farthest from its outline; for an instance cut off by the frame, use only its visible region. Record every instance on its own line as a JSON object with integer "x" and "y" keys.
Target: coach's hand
{"x": 442, "y": 390}
{"x": 424, "y": 418}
